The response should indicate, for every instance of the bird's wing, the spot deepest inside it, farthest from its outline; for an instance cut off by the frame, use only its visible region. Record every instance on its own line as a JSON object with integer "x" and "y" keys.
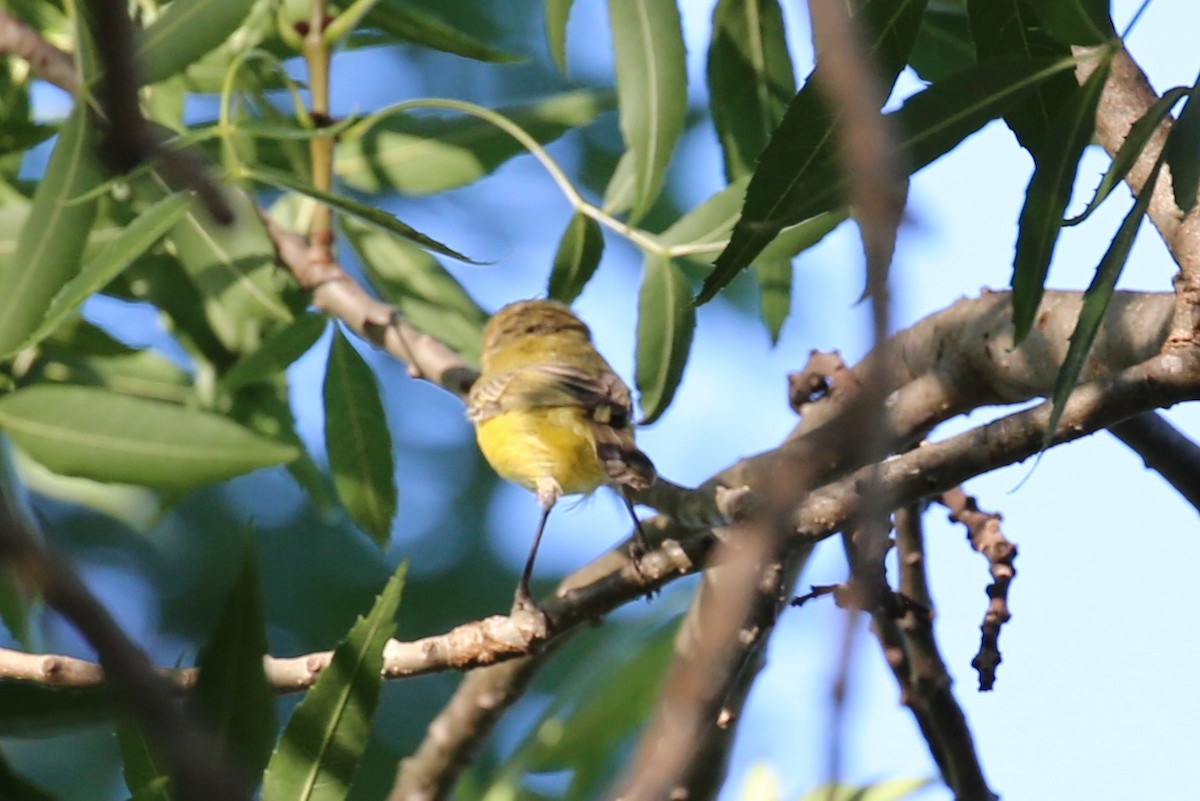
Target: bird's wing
{"x": 604, "y": 398}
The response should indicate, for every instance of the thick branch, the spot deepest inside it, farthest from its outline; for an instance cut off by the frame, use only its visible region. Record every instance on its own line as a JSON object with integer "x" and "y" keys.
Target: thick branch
{"x": 1163, "y": 448}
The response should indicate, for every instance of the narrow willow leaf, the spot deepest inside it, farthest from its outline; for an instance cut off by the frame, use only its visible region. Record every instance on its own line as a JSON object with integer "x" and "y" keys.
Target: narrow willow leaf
{"x": 1008, "y": 29}
{"x": 232, "y": 267}
{"x": 711, "y": 221}
{"x": 360, "y": 210}
{"x": 405, "y": 21}
{"x": 141, "y": 373}
{"x": 427, "y": 295}
{"x": 184, "y": 32}
{"x": 774, "y": 293}
{"x": 1047, "y": 197}
{"x": 134, "y": 240}
{"x": 50, "y": 244}
{"x": 358, "y": 441}
{"x": 666, "y": 320}
{"x": 795, "y": 239}
{"x": 944, "y": 44}
{"x": 141, "y": 763}
{"x": 232, "y": 695}
{"x": 1183, "y": 152}
{"x": 1078, "y": 22}
{"x": 98, "y": 434}
{"x": 800, "y": 155}
{"x": 318, "y": 754}
{"x": 1095, "y": 303}
{"x": 1131, "y": 149}
{"x": 276, "y": 353}
{"x": 578, "y": 256}
{"x": 421, "y": 154}
{"x": 651, "y": 89}
{"x": 558, "y": 12}
{"x": 750, "y": 80}
{"x": 619, "y": 191}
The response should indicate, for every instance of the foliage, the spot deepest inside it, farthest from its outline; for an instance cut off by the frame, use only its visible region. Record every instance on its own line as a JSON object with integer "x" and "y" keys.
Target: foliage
{"x": 209, "y": 399}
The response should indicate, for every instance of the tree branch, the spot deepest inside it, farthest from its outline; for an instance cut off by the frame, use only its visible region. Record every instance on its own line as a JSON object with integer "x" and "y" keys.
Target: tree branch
{"x": 1165, "y": 449}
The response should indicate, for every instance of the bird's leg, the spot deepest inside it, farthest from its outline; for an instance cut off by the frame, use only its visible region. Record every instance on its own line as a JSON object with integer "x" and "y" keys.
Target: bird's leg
{"x": 641, "y": 543}
{"x": 548, "y": 493}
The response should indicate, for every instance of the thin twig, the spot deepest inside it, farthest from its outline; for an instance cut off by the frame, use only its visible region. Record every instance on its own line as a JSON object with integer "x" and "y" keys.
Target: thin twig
{"x": 1165, "y": 449}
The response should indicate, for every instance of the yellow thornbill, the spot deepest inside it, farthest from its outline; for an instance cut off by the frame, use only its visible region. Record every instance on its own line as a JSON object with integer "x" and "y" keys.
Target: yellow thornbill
{"x": 551, "y": 415}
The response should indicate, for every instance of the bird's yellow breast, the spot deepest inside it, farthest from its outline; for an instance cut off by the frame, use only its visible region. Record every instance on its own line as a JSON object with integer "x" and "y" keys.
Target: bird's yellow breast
{"x": 556, "y": 442}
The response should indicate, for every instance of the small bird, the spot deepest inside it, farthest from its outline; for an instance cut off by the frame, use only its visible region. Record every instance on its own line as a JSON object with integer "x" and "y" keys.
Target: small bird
{"x": 552, "y": 416}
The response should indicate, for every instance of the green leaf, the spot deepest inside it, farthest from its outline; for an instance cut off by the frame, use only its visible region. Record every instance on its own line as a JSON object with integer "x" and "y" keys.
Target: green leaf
{"x": 800, "y": 237}
{"x": 1078, "y": 22}
{"x": 141, "y": 762}
{"x": 140, "y": 373}
{"x": 1095, "y": 303}
{"x": 944, "y": 44}
{"x": 360, "y": 210}
{"x": 50, "y": 244}
{"x": 420, "y": 155}
{"x": 750, "y": 80}
{"x": 134, "y": 240}
{"x": 1131, "y": 149}
{"x": 666, "y": 320}
{"x": 358, "y": 441}
{"x": 711, "y": 221}
{"x": 404, "y": 21}
{"x": 800, "y": 155}
{"x": 557, "y": 14}
{"x": 32, "y": 710}
{"x": 578, "y": 256}
{"x": 651, "y": 89}
{"x": 276, "y": 353}
{"x": 611, "y": 703}
{"x": 184, "y": 32}
{"x": 232, "y": 266}
{"x": 892, "y": 790}
{"x": 1047, "y": 197}
{"x": 97, "y": 434}
{"x": 318, "y": 754}
{"x": 427, "y": 295}
{"x": 1008, "y": 29}
{"x": 619, "y": 191}
{"x": 774, "y": 294}
{"x": 232, "y": 695}
{"x": 1183, "y": 152}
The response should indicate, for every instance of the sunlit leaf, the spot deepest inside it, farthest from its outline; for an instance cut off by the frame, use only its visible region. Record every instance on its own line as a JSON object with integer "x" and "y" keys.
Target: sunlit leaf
{"x": 358, "y": 441}
{"x": 427, "y": 295}
{"x": 557, "y": 14}
{"x": 134, "y": 240}
{"x": 422, "y": 154}
{"x": 666, "y": 321}
{"x": 577, "y": 258}
{"x": 651, "y": 89}
{"x": 619, "y": 191}
{"x": 1095, "y": 302}
{"x": 406, "y": 21}
{"x": 352, "y": 207}
{"x": 98, "y": 434}
{"x": 1047, "y": 197}
{"x": 276, "y": 353}
{"x": 774, "y": 293}
{"x": 185, "y": 31}
{"x": 750, "y": 80}
{"x": 318, "y": 754}
{"x": 50, "y": 244}
{"x": 232, "y": 267}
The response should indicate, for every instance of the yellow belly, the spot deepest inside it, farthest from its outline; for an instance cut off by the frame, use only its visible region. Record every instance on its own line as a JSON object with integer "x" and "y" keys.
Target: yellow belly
{"x": 523, "y": 446}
